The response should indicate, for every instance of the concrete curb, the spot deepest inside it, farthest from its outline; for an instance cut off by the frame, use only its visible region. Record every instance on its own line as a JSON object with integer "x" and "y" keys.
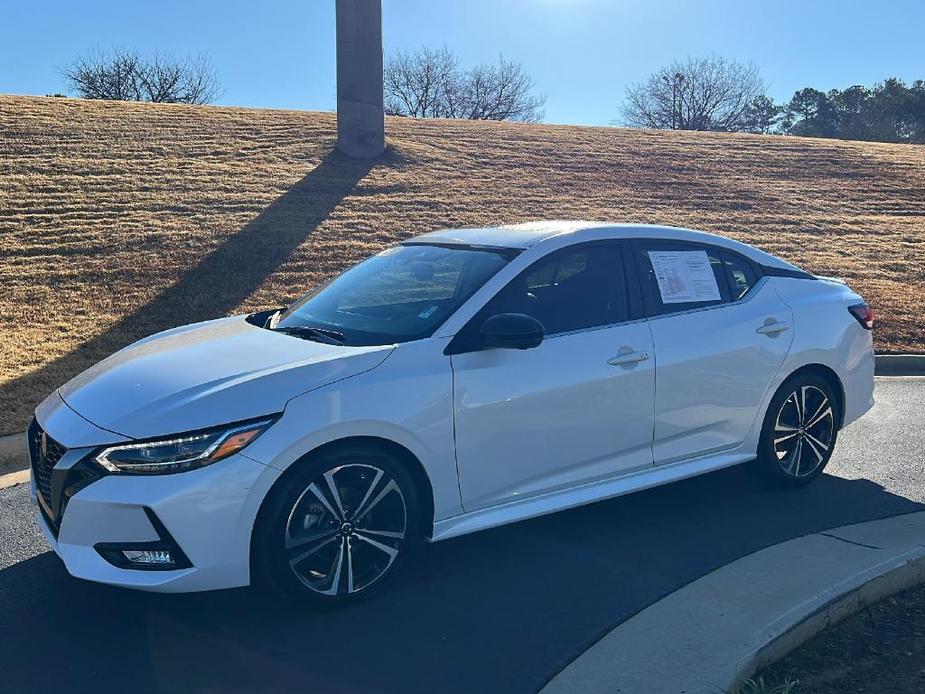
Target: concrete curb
{"x": 11, "y": 479}
{"x": 714, "y": 633}
{"x": 900, "y": 365}
{"x": 868, "y": 588}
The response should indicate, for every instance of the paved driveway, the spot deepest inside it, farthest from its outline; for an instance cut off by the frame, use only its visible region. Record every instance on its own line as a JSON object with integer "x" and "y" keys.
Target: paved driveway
{"x": 500, "y": 611}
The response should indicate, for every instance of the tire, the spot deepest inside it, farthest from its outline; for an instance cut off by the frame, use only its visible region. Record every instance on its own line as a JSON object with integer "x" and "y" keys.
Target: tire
{"x": 339, "y": 527}
{"x": 799, "y": 431}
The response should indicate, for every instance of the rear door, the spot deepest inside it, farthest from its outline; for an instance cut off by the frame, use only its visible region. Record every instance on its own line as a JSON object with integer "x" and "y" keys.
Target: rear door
{"x": 577, "y": 408}
{"x": 721, "y": 333}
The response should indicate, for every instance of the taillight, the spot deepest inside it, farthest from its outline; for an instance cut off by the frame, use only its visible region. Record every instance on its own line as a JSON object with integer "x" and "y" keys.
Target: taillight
{"x": 864, "y": 315}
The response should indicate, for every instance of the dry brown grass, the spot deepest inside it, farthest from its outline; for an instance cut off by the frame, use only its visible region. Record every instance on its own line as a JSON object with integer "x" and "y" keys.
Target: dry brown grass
{"x": 117, "y": 220}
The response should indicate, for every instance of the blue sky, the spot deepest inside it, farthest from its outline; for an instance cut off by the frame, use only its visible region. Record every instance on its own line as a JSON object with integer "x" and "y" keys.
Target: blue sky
{"x": 581, "y": 53}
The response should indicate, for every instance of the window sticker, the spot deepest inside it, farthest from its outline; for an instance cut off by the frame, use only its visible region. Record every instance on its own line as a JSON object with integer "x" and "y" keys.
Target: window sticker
{"x": 684, "y": 276}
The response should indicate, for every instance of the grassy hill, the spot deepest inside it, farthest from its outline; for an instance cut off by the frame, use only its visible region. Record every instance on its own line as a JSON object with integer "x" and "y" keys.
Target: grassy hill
{"x": 118, "y": 220}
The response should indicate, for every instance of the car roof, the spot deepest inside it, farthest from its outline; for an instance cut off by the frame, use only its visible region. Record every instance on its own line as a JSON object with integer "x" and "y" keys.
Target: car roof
{"x": 527, "y": 234}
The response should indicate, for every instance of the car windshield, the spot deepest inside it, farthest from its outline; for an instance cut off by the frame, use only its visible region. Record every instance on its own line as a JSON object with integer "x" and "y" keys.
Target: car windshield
{"x": 401, "y": 294}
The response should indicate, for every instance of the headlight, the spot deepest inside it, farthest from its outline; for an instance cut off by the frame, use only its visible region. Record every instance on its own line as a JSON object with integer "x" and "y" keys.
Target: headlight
{"x": 180, "y": 453}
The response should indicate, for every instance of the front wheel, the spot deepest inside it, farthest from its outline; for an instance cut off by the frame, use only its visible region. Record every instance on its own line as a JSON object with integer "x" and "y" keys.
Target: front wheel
{"x": 339, "y": 527}
{"x": 799, "y": 432}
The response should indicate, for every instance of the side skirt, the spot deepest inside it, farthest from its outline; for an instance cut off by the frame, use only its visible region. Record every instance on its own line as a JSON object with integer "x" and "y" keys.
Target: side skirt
{"x": 561, "y": 500}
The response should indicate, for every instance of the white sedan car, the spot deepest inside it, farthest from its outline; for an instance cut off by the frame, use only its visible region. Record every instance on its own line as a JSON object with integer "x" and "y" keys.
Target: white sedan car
{"x": 462, "y": 380}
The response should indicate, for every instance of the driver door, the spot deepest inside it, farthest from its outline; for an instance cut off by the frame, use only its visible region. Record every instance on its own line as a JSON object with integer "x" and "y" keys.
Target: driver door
{"x": 576, "y": 409}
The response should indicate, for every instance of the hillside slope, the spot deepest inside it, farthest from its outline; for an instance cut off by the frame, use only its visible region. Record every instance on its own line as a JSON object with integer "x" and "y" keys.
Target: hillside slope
{"x": 118, "y": 220}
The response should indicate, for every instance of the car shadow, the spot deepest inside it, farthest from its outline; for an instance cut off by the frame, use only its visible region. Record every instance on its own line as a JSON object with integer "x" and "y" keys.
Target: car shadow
{"x": 502, "y": 610}
{"x": 223, "y": 279}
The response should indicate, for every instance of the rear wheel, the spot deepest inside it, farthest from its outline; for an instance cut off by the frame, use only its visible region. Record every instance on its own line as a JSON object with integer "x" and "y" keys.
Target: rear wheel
{"x": 799, "y": 432}
{"x": 340, "y": 527}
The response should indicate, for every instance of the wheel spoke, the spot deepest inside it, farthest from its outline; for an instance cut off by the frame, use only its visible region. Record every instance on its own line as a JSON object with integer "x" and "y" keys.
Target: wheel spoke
{"x": 349, "y": 565}
{"x": 822, "y": 406}
{"x": 295, "y": 543}
{"x": 818, "y": 417}
{"x": 384, "y": 533}
{"x": 797, "y": 413}
{"x": 796, "y": 406}
{"x": 313, "y": 488}
{"x": 369, "y": 492}
{"x": 336, "y": 569}
{"x": 813, "y": 440}
{"x": 391, "y": 551}
{"x": 801, "y": 406}
{"x": 785, "y": 437}
{"x": 329, "y": 478}
{"x": 307, "y": 553}
{"x": 811, "y": 445}
{"x": 361, "y": 512}
{"x": 784, "y": 427}
{"x": 794, "y": 467}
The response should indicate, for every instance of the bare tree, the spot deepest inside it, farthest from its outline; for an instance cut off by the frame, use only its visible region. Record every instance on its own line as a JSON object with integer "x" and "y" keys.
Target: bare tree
{"x": 105, "y": 76}
{"x": 709, "y": 93}
{"x": 423, "y": 84}
{"x": 502, "y": 91}
{"x": 124, "y": 75}
{"x": 429, "y": 83}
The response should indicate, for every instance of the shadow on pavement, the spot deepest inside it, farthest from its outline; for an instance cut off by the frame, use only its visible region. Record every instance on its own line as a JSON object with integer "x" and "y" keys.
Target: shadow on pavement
{"x": 502, "y": 610}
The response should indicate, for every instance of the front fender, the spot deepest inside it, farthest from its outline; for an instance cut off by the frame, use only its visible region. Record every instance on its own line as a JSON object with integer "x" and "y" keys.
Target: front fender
{"x": 406, "y": 400}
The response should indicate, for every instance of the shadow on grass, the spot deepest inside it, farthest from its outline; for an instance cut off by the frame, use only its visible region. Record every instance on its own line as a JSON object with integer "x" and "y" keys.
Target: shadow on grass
{"x": 218, "y": 284}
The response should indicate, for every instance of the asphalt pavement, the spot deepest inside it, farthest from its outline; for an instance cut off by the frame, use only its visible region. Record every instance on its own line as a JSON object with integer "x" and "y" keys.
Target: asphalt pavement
{"x": 499, "y": 611}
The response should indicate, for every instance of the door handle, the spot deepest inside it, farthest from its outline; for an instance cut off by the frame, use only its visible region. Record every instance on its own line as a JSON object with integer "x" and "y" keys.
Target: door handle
{"x": 628, "y": 358}
{"x": 773, "y": 328}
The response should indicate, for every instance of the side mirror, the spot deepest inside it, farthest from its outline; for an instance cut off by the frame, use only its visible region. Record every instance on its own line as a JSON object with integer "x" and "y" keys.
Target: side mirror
{"x": 511, "y": 331}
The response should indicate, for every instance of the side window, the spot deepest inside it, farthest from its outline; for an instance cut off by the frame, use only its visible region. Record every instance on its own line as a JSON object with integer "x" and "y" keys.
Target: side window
{"x": 741, "y": 275}
{"x": 572, "y": 289}
{"x": 681, "y": 277}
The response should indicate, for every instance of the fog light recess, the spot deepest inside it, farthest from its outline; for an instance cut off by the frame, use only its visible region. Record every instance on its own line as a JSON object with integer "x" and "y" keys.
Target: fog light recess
{"x": 149, "y": 556}
{"x": 163, "y": 554}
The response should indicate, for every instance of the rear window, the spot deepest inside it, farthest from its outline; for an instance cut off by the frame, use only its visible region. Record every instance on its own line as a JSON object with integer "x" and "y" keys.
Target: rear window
{"x": 680, "y": 277}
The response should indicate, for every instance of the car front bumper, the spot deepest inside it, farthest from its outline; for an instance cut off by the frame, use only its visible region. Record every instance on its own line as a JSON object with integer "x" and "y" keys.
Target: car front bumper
{"x": 208, "y": 513}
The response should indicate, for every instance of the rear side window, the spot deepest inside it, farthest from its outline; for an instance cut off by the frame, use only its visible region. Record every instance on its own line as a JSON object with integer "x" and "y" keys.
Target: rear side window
{"x": 573, "y": 289}
{"x": 680, "y": 277}
{"x": 740, "y": 275}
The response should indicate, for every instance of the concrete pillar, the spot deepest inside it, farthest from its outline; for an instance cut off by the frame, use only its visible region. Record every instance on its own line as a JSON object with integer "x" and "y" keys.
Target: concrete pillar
{"x": 360, "y": 113}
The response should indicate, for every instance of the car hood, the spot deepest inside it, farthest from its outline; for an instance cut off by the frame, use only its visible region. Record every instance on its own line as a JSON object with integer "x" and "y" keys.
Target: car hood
{"x": 208, "y": 374}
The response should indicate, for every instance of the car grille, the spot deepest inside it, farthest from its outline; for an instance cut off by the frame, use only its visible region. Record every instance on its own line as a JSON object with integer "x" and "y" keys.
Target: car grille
{"x": 44, "y": 455}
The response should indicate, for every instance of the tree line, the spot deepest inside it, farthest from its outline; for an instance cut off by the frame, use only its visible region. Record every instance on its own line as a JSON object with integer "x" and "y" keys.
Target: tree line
{"x": 428, "y": 83}
{"x": 700, "y": 93}
{"x": 713, "y": 93}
